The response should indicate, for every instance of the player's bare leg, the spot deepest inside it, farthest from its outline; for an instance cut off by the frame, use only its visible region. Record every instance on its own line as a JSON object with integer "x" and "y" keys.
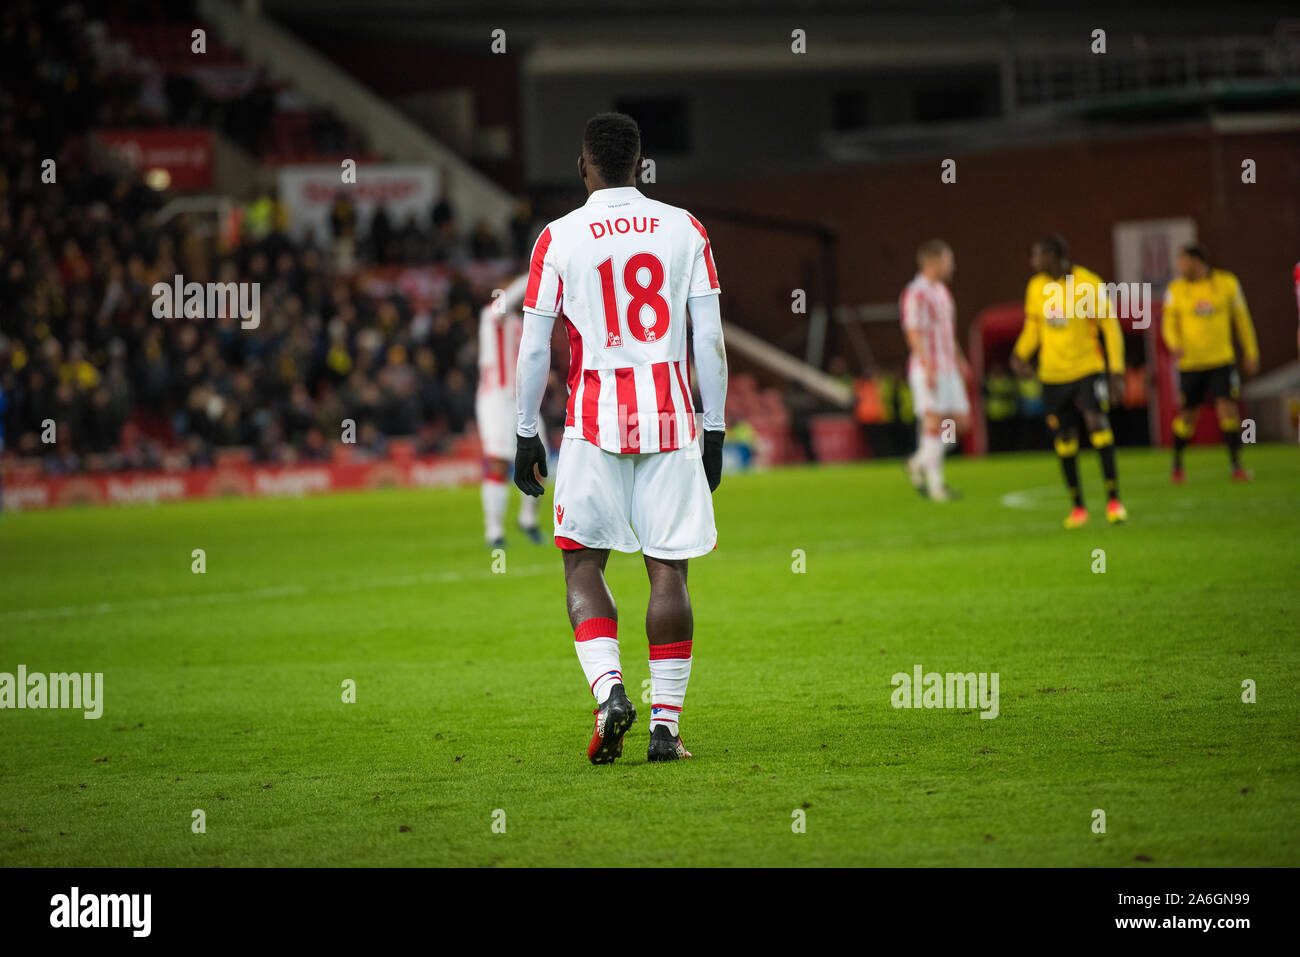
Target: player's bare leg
{"x": 594, "y": 618}
{"x": 493, "y": 495}
{"x": 1183, "y": 426}
{"x": 1103, "y": 440}
{"x": 587, "y": 594}
{"x": 669, "y": 627}
{"x": 1230, "y": 426}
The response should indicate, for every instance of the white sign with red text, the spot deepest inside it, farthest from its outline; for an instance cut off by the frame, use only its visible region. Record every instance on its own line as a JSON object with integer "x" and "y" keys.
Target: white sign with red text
{"x": 309, "y": 192}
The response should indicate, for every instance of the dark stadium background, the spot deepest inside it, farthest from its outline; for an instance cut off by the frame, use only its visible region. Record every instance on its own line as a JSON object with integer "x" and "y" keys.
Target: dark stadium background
{"x": 816, "y": 171}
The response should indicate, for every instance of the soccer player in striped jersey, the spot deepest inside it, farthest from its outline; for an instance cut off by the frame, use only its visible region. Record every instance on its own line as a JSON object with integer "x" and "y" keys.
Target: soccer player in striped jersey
{"x": 626, "y": 274}
{"x": 934, "y": 367}
{"x": 1067, "y": 319}
{"x": 500, "y": 327}
{"x": 1203, "y": 307}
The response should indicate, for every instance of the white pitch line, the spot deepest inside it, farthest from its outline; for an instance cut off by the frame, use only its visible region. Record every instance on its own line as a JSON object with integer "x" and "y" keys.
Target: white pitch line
{"x": 106, "y": 607}
{"x": 1024, "y": 498}
{"x": 283, "y": 591}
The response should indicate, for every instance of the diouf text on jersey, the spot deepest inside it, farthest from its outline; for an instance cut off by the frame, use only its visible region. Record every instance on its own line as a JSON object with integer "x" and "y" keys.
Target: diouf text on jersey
{"x": 624, "y": 224}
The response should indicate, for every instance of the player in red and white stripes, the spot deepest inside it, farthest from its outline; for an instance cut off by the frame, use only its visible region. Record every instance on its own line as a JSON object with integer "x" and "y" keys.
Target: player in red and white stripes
{"x": 935, "y": 366}
{"x": 499, "y": 330}
{"x": 625, "y": 274}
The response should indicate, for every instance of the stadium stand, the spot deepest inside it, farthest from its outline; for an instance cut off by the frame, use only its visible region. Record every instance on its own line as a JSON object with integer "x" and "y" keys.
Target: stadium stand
{"x": 388, "y": 343}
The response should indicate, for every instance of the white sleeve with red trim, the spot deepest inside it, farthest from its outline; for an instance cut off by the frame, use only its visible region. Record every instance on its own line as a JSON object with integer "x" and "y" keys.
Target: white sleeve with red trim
{"x": 542, "y": 295}
{"x": 915, "y": 315}
{"x": 710, "y": 358}
{"x": 704, "y": 272}
{"x": 532, "y": 371}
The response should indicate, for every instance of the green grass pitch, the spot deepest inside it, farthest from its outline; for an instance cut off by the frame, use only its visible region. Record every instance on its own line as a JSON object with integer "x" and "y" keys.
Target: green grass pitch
{"x": 1119, "y": 691}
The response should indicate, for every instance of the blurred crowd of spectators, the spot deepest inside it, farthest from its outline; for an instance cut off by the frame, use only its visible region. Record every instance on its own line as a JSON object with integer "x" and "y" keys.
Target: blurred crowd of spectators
{"x": 76, "y": 71}
{"x": 435, "y": 238}
{"x": 80, "y": 346}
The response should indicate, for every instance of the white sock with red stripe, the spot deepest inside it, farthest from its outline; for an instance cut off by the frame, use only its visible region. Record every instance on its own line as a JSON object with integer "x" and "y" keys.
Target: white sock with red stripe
{"x": 596, "y": 641}
{"x": 528, "y": 510}
{"x": 670, "y": 671}
{"x": 493, "y": 493}
{"x": 932, "y": 460}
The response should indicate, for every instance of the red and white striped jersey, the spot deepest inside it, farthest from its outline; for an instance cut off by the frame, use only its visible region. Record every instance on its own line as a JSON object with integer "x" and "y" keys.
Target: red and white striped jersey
{"x": 500, "y": 327}
{"x": 619, "y": 271}
{"x": 927, "y": 307}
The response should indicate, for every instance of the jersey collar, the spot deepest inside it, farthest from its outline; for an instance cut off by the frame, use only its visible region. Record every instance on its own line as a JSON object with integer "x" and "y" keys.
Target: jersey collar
{"x": 613, "y": 194}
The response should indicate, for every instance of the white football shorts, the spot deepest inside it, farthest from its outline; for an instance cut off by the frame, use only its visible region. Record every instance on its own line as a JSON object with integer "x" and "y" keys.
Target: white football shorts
{"x": 948, "y": 395}
{"x": 495, "y": 414}
{"x": 655, "y": 502}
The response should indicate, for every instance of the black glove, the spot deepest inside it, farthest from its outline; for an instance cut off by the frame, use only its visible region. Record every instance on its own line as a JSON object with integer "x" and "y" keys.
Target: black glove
{"x": 713, "y": 458}
{"x": 529, "y": 452}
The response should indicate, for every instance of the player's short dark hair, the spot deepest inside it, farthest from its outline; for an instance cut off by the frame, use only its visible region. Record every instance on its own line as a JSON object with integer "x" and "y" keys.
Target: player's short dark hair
{"x": 613, "y": 142}
{"x": 1196, "y": 251}
{"x": 931, "y": 249}
{"x": 1055, "y": 244}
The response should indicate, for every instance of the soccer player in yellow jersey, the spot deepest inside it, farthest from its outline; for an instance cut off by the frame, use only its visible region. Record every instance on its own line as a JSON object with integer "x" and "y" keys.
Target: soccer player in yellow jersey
{"x": 1067, "y": 319}
{"x": 1203, "y": 307}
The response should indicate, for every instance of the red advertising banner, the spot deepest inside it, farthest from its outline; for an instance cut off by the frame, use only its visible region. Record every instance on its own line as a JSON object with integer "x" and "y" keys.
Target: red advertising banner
{"x": 183, "y": 158}
{"x": 30, "y": 490}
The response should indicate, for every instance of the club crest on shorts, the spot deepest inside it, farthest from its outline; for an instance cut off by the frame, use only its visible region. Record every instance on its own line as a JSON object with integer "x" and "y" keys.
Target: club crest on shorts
{"x": 559, "y": 514}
